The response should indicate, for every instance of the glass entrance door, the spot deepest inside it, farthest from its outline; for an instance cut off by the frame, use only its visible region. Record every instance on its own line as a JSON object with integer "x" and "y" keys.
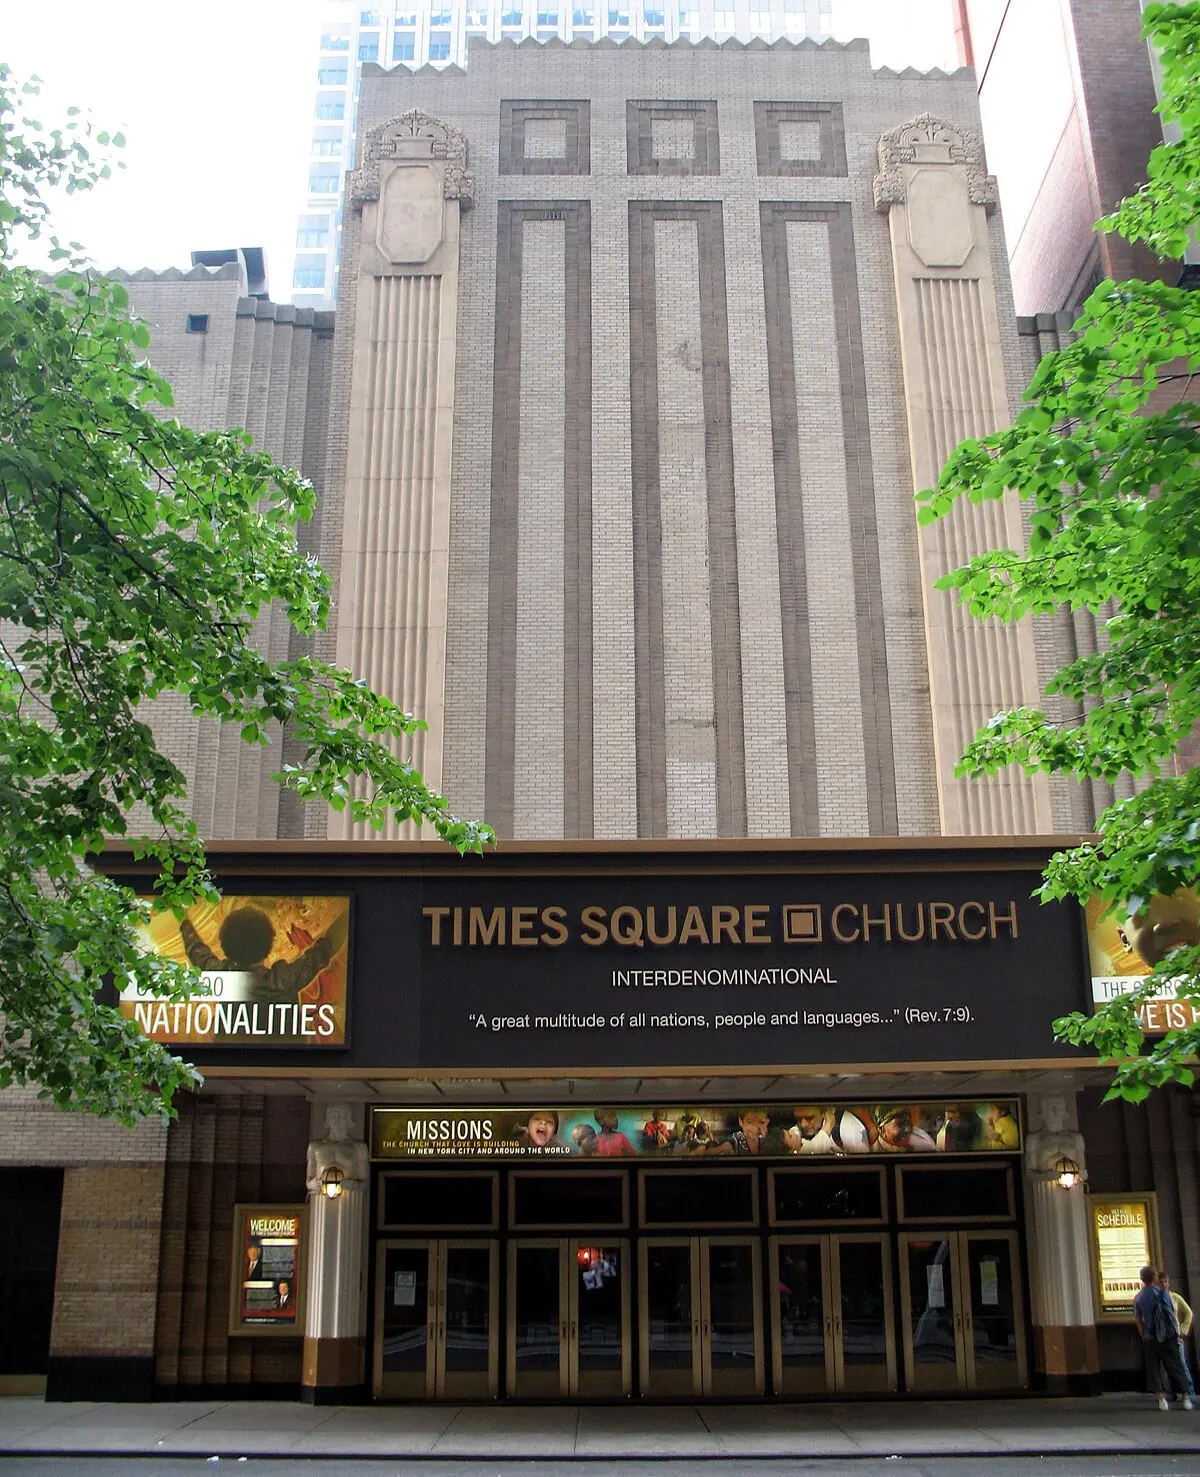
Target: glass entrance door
{"x": 961, "y": 1301}
{"x": 833, "y": 1326}
{"x": 569, "y": 1317}
{"x": 701, "y": 1316}
{"x": 436, "y": 1320}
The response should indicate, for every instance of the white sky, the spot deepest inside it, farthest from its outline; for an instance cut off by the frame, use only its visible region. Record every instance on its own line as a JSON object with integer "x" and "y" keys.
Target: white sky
{"x": 215, "y": 100}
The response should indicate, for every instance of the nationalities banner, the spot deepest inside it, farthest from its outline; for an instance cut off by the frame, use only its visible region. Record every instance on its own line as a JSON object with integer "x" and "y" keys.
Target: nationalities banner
{"x": 274, "y": 971}
{"x": 779, "y": 1131}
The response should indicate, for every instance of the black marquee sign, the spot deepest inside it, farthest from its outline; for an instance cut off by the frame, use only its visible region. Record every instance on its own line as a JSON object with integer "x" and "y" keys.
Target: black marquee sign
{"x": 556, "y": 970}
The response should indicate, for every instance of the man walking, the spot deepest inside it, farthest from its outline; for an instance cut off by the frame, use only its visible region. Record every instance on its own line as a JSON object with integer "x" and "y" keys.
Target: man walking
{"x": 1154, "y": 1315}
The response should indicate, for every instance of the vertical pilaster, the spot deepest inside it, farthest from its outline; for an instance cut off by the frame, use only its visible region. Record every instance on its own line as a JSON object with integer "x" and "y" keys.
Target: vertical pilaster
{"x": 1061, "y": 1300}
{"x": 933, "y": 188}
{"x": 410, "y": 185}
{"x": 335, "y": 1323}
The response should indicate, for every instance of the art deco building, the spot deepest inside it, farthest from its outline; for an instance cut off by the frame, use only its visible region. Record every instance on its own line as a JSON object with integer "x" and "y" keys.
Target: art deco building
{"x": 640, "y": 354}
{"x": 436, "y": 33}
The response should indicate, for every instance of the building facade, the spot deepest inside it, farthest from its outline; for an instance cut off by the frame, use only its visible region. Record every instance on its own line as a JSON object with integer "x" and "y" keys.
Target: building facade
{"x": 639, "y": 357}
{"x": 424, "y": 33}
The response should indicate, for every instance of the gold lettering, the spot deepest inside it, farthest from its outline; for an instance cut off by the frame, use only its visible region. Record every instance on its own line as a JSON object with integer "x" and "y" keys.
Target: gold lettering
{"x": 941, "y": 915}
{"x": 725, "y": 924}
{"x": 435, "y": 916}
{"x": 981, "y": 932}
{"x": 884, "y": 921}
{"x": 554, "y": 927}
{"x": 844, "y": 938}
{"x": 693, "y": 930}
{"x": 1009, "y": 918}
{"x": 595, "y": 930}
{"x": 910, "y": 938}
{"x": 652, "y": 926}
{"x": 626, "y": 926}
{"x": 489, "y": 928}
{"x": 756, "y": 924}
{"x": 458, "y": 922}
{"x": 523, "y": 922}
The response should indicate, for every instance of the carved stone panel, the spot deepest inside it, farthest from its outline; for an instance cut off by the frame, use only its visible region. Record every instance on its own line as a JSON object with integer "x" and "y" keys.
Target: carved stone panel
{"x": 939, "y": 217}
{"x": 411, "y": 211}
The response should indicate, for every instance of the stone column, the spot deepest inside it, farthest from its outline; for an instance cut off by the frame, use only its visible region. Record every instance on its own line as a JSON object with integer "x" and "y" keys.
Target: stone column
{"x": 334, "y": 1367}
{"x": 1060, "y": 1258}
{"x": 932, "y": 187}
{"x": 410, "y": 186}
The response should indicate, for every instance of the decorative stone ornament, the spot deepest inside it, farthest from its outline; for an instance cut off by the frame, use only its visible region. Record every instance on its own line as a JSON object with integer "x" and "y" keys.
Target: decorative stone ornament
{"x": 926, "y": 140}
{"x": 414, "y": 137}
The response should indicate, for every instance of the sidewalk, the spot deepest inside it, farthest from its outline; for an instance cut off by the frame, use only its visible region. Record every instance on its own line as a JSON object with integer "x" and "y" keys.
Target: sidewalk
{"x": 1110, "y": 1423}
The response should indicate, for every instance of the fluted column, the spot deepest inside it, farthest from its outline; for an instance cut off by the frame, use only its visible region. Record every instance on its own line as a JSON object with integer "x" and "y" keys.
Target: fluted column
{"x": 410, "y": 185}
{"x": 334, "y": 1363}
{"x": 1060, "y": 1259}
{"x": 936, "y": 195}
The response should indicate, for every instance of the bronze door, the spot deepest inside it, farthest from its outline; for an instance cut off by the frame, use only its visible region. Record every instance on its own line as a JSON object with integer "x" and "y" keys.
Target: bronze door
{"x": 701, "y": 1316}
{"x": 569, "y": 1318}
{"x": 833, "y": 1326}
{"x": 436, "y": 1320}
{"x": 961, "y": 1300}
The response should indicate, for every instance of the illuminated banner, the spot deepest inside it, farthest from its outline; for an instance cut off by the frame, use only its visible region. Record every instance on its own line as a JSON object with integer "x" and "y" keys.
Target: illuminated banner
{"x": 771, "y": 1131}
{"x": 1123, "y": 1242}
{"x": 267, "y": 1290}
{"x": 275, "y": 970}
{"x": 1124, "y": 948}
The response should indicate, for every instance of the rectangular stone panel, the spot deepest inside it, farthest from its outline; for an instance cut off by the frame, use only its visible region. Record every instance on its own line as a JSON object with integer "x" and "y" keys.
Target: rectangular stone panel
{"x": 530, "y": 134}
{"x": 541, "y": 441}
{"x": 794, "y": 481}
{"x": 687, "y": 321}
{"x": 783, "y": 130}
{"x": 652, "y": 127}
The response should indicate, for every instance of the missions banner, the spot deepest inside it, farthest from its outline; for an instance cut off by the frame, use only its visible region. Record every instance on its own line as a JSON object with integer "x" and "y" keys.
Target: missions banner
{"x": 771, "y": 1131}
{"x": 507, "y": 963}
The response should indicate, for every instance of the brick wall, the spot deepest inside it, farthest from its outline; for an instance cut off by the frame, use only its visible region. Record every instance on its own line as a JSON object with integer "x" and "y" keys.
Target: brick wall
{"x": 223, "y": 1149}
{"x": 871, "y": 770}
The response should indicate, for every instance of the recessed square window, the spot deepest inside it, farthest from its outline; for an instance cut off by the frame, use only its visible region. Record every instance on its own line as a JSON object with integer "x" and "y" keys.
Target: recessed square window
{"x": 545, "y": 136}
{"x": 197, "y": 323}
{"x": 672, "y": 136}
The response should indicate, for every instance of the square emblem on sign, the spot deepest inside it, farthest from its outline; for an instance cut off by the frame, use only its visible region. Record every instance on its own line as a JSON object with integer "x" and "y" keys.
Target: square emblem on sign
{"x": 802, "y": 923}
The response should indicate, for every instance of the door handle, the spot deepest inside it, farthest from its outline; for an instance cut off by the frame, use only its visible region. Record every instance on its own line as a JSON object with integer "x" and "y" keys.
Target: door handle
{"x": 829, "y": 1325}
{"x": 696, "y": 1330}
{"x": 573, "y": 1334}
{"x": 563, "y": 1332}
{"x": 837, "y": 1325}
{"x": 432, "y": 1332}
{"x": 706, "y": 1328}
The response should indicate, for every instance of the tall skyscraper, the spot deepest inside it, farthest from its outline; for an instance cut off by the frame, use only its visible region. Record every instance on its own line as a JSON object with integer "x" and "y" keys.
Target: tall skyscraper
{"x": 416, "y": 33}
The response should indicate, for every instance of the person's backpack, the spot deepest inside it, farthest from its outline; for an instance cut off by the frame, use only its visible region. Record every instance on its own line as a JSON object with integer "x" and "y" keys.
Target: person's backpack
{"x": 1162, "y": 1327}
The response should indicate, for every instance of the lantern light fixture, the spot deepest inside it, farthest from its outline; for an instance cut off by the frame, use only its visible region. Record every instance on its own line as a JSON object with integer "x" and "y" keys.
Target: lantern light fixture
{"x": 1066, "y": 1172}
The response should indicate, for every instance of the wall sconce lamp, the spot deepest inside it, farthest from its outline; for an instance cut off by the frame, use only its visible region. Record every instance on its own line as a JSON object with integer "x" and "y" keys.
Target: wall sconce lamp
{"x": 332, "y": 1182}
{"x": 1066, "y": 1172}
